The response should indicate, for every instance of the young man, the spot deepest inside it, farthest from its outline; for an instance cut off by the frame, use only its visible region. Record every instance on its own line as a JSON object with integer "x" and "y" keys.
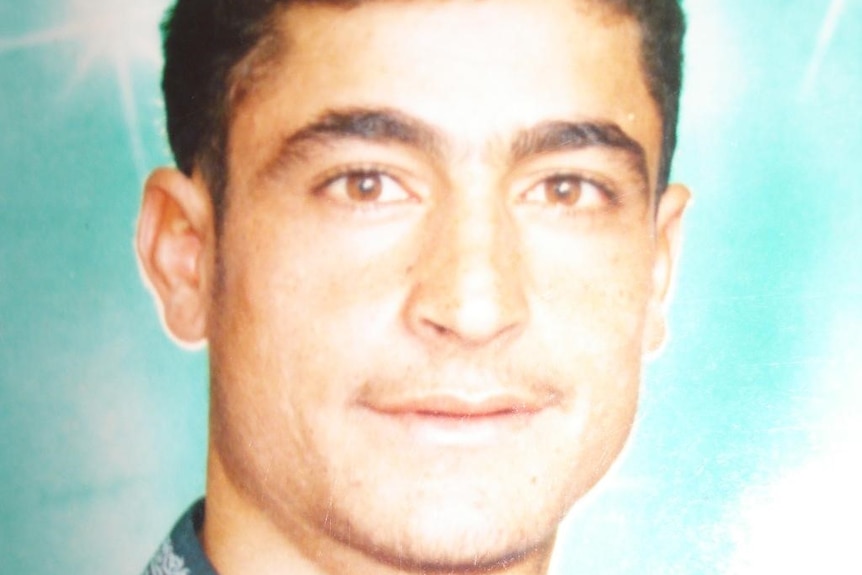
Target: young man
{"x": 428, "y": 244}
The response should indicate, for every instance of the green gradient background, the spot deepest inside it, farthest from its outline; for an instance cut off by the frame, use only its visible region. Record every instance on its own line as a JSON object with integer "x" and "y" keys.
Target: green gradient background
{"x": 746, "y": 456}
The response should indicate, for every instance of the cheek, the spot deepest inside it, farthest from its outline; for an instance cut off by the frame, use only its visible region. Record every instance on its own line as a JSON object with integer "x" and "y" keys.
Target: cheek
{"x": 589, "y": 312}
{"x": 300, "y": 301}
{"x": 589, "y": 309}
{"x": 272, "y": 356}
{"x": 592, "y": 293}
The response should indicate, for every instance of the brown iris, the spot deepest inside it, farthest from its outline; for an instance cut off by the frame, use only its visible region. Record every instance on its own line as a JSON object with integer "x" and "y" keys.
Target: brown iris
{"x": 364, "y": 187}
{"x": 563, "y": 190}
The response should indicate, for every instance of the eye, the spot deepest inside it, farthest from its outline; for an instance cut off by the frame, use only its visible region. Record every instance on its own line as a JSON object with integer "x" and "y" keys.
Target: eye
{"x": 366, "y": 186}
{"x": 568, "y": 191}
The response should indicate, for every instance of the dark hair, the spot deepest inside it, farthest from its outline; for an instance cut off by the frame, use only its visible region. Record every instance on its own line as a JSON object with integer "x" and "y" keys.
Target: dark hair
{"x": 662, "y": 27}
{"x": 211, "y": 46}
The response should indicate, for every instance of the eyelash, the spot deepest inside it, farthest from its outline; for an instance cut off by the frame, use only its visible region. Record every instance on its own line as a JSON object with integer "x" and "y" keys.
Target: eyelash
{"x": 606, "y": 191}
{"x": 361, "y": 171}
{"x": 609, "y": 195}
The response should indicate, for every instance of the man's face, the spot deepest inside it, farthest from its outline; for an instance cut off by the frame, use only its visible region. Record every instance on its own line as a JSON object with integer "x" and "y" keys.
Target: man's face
{"x": 438, "y": 271}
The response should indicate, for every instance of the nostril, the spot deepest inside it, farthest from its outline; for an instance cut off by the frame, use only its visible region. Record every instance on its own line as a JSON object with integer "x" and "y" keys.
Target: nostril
{"x": 472, "y": 321}
{"x": 438, "y": 329}
{"x": 468, "y": 287}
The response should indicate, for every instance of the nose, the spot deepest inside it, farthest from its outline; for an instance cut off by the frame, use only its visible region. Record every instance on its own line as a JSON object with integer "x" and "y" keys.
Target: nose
{"x": 467, "y": 283}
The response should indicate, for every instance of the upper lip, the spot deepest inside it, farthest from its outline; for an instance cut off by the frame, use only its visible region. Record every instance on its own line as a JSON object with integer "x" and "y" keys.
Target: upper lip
{"x": 462, "y": 405}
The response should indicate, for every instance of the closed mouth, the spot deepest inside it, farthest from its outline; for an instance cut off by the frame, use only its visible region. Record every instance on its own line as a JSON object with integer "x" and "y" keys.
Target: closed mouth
{"x": 459, "y": 405}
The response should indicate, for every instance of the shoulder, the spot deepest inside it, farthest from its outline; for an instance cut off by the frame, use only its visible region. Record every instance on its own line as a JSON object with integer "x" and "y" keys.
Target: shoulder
{"x": 181, "y": 553}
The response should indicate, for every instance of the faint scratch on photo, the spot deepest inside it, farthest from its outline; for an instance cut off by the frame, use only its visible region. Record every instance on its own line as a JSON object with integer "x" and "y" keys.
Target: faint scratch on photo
{"x": 824, "y": 39}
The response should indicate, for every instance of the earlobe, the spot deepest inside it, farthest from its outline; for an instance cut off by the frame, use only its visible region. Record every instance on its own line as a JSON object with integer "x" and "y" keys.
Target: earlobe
{"x": 175, "y": 245}
{"x": 668, "y": 239}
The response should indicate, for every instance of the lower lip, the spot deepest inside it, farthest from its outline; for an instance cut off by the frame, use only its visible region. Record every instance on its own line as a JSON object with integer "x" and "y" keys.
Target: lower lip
{"x": 457, "y": 430}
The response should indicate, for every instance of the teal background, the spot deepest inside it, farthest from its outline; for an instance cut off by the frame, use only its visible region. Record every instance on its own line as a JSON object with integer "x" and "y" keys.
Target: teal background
{"x": 746, "y": 457}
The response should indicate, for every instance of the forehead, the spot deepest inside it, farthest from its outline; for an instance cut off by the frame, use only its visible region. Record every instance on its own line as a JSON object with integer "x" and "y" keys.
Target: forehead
{"x": 477, "y": 71}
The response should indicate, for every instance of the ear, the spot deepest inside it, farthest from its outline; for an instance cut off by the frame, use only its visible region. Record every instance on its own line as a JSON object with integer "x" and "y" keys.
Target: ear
{"x": 668, "y": 237}
{"x": 176, "y": 245}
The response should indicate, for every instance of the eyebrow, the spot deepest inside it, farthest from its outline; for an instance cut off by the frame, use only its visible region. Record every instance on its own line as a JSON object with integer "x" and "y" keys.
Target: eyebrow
{"x": 383, "y": 126}
{"x": 551, "y": 137}
{"x": 389, "y": 126}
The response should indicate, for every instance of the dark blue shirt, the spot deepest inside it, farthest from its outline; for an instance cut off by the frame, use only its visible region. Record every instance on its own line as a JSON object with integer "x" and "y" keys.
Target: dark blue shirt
{"x": 181, "y": 553}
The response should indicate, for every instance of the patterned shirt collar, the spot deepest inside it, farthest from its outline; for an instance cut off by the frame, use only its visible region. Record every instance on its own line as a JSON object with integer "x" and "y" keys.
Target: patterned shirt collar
{"x": 181, "y": 553}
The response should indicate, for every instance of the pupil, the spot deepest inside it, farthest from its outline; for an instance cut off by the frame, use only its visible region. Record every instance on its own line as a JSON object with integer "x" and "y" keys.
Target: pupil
{"x": 563, "y": 190}
{"x": 367, "y": 185}
{"x": 364, "y": 187}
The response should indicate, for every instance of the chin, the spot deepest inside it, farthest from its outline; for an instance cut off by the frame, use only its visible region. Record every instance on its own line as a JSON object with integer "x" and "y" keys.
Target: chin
{"x": 454, "y": 536}
{"x": 458, "y": 550}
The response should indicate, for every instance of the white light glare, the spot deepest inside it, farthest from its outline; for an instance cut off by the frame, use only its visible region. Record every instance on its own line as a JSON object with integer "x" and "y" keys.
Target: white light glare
{"x": 120, "y": 33}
